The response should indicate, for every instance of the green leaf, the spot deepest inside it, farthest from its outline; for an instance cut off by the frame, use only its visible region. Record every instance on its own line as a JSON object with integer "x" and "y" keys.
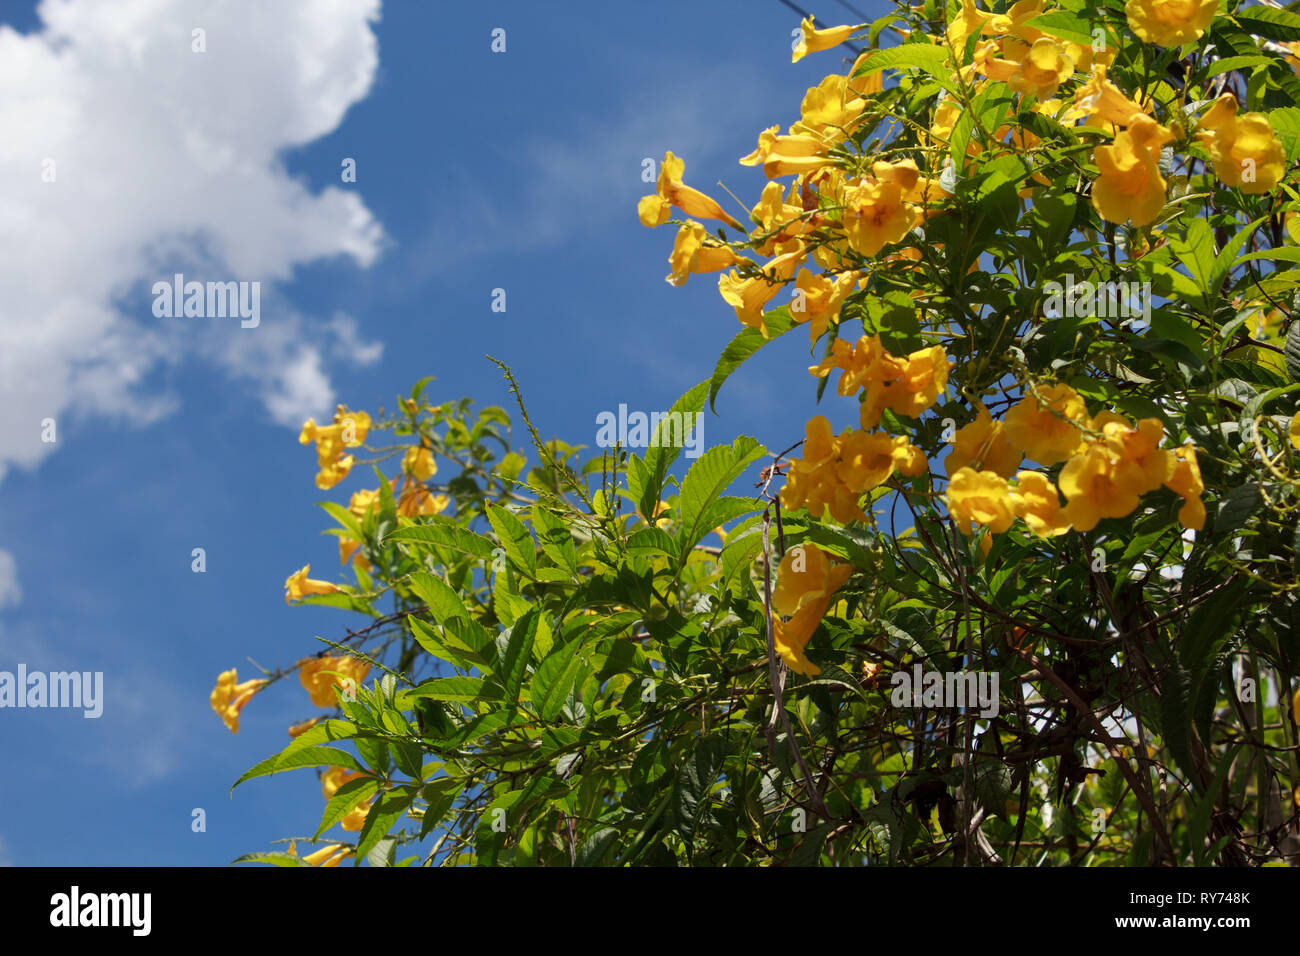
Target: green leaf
{"x": 345, "y": 800}
{"x": 275, "y": 859}
{"x": 695, "y": 780}
{"x": 708, "y": 478}
{"x": 381, "y": 818}
{"x": 444, "y": 533}
{"x": 1064, "y": 25}
{"x": 462, "y": 690}
{"x": 666, "y": 446}
{"x": 745, "y": 344}
{"x": 595, "y": 847}
{"x": 1236, "y": 508}
{"x": 1293, "y": 351}
{"x": 556, "y": 539}
{"x": 517, "y": 543}
{"x": 554, "y": 680}
{"x": 1270, "y": 22}
{"x": 442, "y": 600}
{"x": 921, "y": 56}
{"x": 308, "y": 757}
{"x": 519, "y": 651}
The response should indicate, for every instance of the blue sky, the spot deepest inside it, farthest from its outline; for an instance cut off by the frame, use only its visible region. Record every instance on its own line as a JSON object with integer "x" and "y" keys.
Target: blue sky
{"x": 475, "y": 171}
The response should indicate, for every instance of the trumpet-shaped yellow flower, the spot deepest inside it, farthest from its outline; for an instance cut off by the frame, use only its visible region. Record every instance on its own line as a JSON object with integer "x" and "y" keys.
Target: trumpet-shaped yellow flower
{"x": 1186, "y": 482}
{"x": 749, "y": 296}
{"x": 320, "y": 675}
{"x": 807, "y": 578}
{"x": 792, "y": 153}
{"x": 671, "y": 191}
{"x": 1039, "y": 504}
{"x": 778, "y": 221}
{"x": 229, "y": 697}
{"x": 983, "y": 446}
{"x": 970, "y": 21}
{"x": 413, "y": 499}
{"x": 418, "y": 462}
{"x": 814, "y": 40}
{"x": 1101, "y": 101}
{"x": 922, "y": 378}
{"x": 1246, "y": 152}
{"x": 349, "y": 430}
{"x": 335, "y": 777}
{"x": 1093, "y": 489}
{"x": 692, "y": 252}
{"x": 1294, "y": 432}
{"x": 297, "y": 730}
{"x": 1130, "y": 185}
{"x": 829, "y": 111}
{"x": 818, "y": 299}
{"x": 980, "y": 498}
{"x": 1141, "y": 465}
{"x": 297, "y": 586}
{"x": 1170, "y": 23}
{"x": 1044, "y": 68}
{"x": 877, "y": 212}
{"x": 1048, "y": 433}
{"x": 331, "y": 854}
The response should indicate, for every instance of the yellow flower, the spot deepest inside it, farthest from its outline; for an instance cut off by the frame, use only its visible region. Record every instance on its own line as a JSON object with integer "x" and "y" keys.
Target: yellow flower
{"x": 748, "y": 296}
{"x": 983, "y": 445}
{"x": 671, "y": 191}
{"x": 363, "y": 502}
{"x": 922, "y": 378}
{"x": 814, "y": 40}
{"x": 908, "y": 459}
{"x": 1295, "y": 711}
{"x": 349, "y": 430}
{"x": 1170, "y": 22}
{"x": 297, "y": 730}
{"x": 818, "y": 299}
{"x": 335, "y": 777}
{"x": 418, "y": 462}
{"x": 778, "y": 220}
{"x": 1140, "y": 464}
{"x": 1093, "y": 490}
{"x": 229, "y": 697}
{"x": 806, "y": 580}
{"x": 1038, "y": 502}
{"x": 1294, "y": 432}
{"x": 320, "y": 675}
{"x": 876, "y": 212}
{"x": 298, "y": 585}
{"x": 1130, "y": 185}
{"x": 1047, "y": 433}
{"x": 981, "y": 498}
{"x": 1245, "y": 150}
{"x": 970, "y": 21}
{"x": 415, "y": 499}
{"x": 692, "y": 253}
{"x": 828, "y": 111}
{"x": 836, "y": 470}
{"x": 1044, "y": 68}
{"x": 331, "y": 854}
{"x": 1186, "y": 482}
{"x": 1101, "y": 101}
{"x": 355, "y": 819}
{"x": 782, "y": 155}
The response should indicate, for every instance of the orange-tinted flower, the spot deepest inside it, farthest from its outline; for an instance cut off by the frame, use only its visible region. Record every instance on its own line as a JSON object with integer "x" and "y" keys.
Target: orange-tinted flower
{"x": 1049, "y": 432}
{"x": 983, "y": 445}
{"x": 229, "y": 697}
{"x": 671, "y": 191}
{"x": 1039, "y": 504}
{"x": 806, "y": 580}
{"x": 1186, "y": 482}
{"x": 1130, "y": 186}
{"x": 1246, "y": 152}
{"x": 298, "y": 586}
{"x": 320, "y": 675}
{"x": 980, "y": 498}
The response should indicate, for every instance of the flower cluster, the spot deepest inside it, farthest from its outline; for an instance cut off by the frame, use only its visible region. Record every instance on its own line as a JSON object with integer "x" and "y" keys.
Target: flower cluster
{"x": 806, "y": 580}
{"x": 348, "y": 431}
{"x": 1110, "y": 462}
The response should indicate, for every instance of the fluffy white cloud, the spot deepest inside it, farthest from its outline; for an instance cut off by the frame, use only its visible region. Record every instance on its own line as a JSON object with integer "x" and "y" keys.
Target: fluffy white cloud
{"x": 10, "y": 593}
{"x": 166, "y": 160}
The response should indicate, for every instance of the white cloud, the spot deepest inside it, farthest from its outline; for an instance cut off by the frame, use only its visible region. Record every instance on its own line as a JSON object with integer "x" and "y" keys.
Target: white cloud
{"x": 10, "y": 593}
{"x": 167, "y": 160}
